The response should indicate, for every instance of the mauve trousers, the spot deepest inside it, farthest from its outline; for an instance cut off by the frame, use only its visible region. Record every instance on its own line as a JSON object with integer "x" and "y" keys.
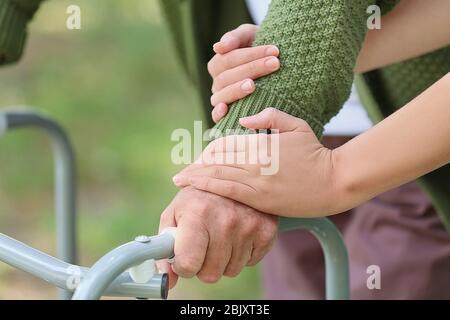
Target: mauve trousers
{"x": 399, "y": 231}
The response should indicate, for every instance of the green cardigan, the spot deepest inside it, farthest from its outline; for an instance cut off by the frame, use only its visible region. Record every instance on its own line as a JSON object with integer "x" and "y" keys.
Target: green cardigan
{"x": 319, "y": 42}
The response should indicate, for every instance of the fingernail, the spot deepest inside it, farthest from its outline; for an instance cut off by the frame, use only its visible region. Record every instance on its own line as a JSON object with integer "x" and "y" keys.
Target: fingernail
{"x": 243, "y": 120}
{"x": 177, "y": 180}
{"x": 272, "y": 51}
{"x": 216, "y": 46}
{"x": 272, "y": 63}
{"x": 227, "y": 40}
{"x": 226, "y": 37}
{"x": 247, "y": 85}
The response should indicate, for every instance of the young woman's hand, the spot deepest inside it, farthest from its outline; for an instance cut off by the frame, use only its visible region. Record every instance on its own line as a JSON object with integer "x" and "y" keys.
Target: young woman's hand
{"x": 301, "y": 184}
{"x": 315, "y": 181}
{"x": 235, "y": 66}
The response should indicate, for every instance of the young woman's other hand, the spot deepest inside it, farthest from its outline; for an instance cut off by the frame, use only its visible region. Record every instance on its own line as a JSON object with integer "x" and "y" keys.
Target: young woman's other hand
{"x": 236, "y": 65}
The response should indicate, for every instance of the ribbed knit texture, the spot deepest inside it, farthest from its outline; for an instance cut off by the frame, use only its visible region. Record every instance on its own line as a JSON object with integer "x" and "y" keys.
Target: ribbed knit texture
{"x": 319, "y": 41}
{"x": 399, "y": 83}
{"x": 14, "y": 16}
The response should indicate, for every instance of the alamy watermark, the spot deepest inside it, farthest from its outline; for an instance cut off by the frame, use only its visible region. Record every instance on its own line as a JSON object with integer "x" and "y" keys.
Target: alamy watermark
{"x": 374, "y": 20}
{"x": 374, "y": 279}
{"x": 232, "y": 146}
{"x": 73, "y": 21}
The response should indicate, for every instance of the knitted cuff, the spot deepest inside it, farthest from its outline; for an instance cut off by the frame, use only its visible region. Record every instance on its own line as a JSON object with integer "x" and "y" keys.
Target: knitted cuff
{"x": 261, "y": 99}
{"x": 13, "y": 23}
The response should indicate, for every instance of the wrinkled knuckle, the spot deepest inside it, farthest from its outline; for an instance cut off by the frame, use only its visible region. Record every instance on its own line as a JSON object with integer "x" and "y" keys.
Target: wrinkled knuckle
{"x": 230, "y": 219}
{"x": 229, "y": 224}
{"x": 186, "y": 266}
{"x": 267, "y": 233}
{"x": 249, "y": 229}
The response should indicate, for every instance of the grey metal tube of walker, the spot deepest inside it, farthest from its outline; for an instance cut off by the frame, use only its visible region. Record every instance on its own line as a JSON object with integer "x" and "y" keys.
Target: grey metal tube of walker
{"x": 67, "y": 276}
{"x": 337, "y": 281}
{"x": 65, "y": 179}
{"x": 105, "y": 270}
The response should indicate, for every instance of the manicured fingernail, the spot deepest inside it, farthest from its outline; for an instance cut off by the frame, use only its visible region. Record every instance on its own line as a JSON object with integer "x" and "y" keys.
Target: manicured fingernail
{"x": 244, "y": 120}
{"x": 272, "y": 51}
{"x": 247, "y": 85}
{"x": 227, "y": 40}
{"x": 272, "y": 63}
{"x": 216, "y": 46}
{"x": 226, "y": 37}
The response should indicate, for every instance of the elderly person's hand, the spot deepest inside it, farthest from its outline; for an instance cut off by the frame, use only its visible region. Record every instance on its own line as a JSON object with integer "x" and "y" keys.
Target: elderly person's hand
{"x": 215, "y": 236}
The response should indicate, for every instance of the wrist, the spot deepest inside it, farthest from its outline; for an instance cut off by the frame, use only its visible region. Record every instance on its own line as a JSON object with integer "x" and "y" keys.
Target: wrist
{"x": 346, "y": 193}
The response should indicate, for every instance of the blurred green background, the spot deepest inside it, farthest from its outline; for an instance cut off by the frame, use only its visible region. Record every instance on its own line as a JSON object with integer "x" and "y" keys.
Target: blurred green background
{"x": 116, "y": 86}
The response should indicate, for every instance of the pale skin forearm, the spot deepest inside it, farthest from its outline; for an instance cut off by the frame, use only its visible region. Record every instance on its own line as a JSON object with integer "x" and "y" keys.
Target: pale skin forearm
{"x": 411, "y": 142}
{"x": 412, "y": 28}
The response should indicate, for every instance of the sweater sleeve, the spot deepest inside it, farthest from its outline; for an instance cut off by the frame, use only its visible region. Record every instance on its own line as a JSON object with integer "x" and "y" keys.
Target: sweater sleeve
{"x": 319, "y": 42}
{"x": 14, "y": 16}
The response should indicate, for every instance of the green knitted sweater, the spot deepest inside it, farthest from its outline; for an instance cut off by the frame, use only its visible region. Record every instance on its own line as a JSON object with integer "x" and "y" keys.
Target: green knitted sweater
{"x": 14, "y": 16}
{"x": 319, "y": 41}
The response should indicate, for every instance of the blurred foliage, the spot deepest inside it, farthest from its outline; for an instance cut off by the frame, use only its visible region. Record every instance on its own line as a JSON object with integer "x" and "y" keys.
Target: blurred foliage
{"x": 116, "y": 86}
